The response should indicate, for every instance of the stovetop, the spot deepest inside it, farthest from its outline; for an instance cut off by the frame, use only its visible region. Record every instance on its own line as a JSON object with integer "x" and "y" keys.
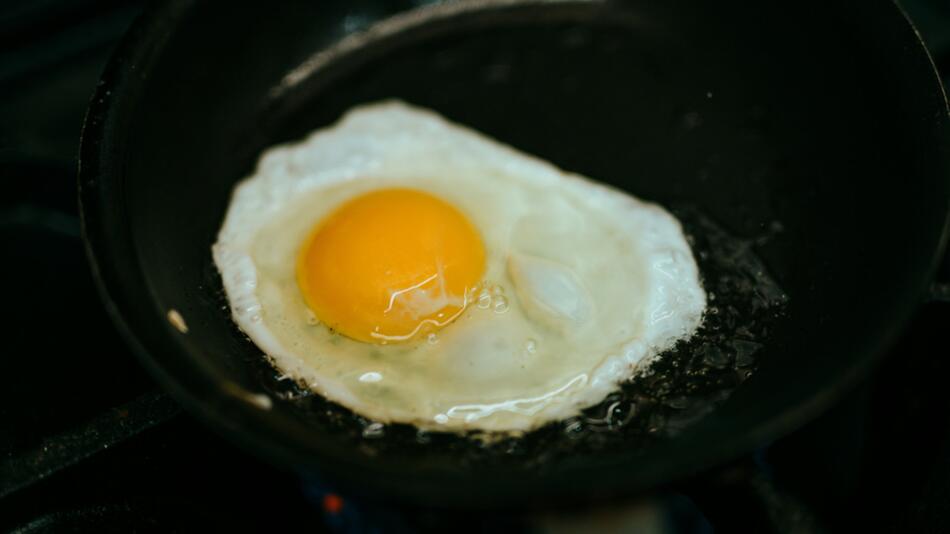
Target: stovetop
{"x": 89, "y": 442}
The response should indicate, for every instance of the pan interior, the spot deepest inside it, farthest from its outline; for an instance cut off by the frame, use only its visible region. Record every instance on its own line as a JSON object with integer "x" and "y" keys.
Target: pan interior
{"x": 815, "y": 138}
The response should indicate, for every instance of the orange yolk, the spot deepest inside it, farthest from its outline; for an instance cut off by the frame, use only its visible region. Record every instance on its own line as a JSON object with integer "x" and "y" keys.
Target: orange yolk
{"x": 389, "y": 265}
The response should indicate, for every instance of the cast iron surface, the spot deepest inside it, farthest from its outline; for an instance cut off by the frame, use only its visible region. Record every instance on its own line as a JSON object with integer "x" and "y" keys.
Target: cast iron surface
{"x": 839, "y": 133}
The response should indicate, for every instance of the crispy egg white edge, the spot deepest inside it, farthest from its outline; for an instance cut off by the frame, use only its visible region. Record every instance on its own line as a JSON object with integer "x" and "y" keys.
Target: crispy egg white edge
{"x": 254, "y": 198}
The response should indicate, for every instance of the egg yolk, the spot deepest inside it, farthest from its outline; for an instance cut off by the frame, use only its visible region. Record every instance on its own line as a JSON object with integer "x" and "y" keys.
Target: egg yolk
{"x": 389, "y": 265}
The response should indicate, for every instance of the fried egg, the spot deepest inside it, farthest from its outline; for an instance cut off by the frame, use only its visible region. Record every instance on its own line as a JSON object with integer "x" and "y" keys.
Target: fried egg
{"x": 415, "y": 271}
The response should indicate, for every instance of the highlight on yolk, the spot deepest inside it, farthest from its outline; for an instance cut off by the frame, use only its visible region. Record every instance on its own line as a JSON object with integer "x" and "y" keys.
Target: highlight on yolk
{"x": 389, "y": 265}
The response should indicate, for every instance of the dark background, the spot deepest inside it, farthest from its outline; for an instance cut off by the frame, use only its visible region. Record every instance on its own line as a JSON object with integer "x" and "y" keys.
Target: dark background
{"x": 88, "y": 440}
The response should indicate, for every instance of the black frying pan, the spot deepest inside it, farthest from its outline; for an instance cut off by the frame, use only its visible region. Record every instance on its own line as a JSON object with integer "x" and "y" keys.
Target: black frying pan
{"x": 827, "y": 117}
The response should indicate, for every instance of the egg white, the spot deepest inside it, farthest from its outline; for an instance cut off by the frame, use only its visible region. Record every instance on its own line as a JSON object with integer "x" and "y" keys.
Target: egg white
{"x": 584, "y": 284}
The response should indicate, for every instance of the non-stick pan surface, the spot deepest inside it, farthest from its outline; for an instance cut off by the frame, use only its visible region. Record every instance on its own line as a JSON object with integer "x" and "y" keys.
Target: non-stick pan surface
{"x": 825, "y": 120}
